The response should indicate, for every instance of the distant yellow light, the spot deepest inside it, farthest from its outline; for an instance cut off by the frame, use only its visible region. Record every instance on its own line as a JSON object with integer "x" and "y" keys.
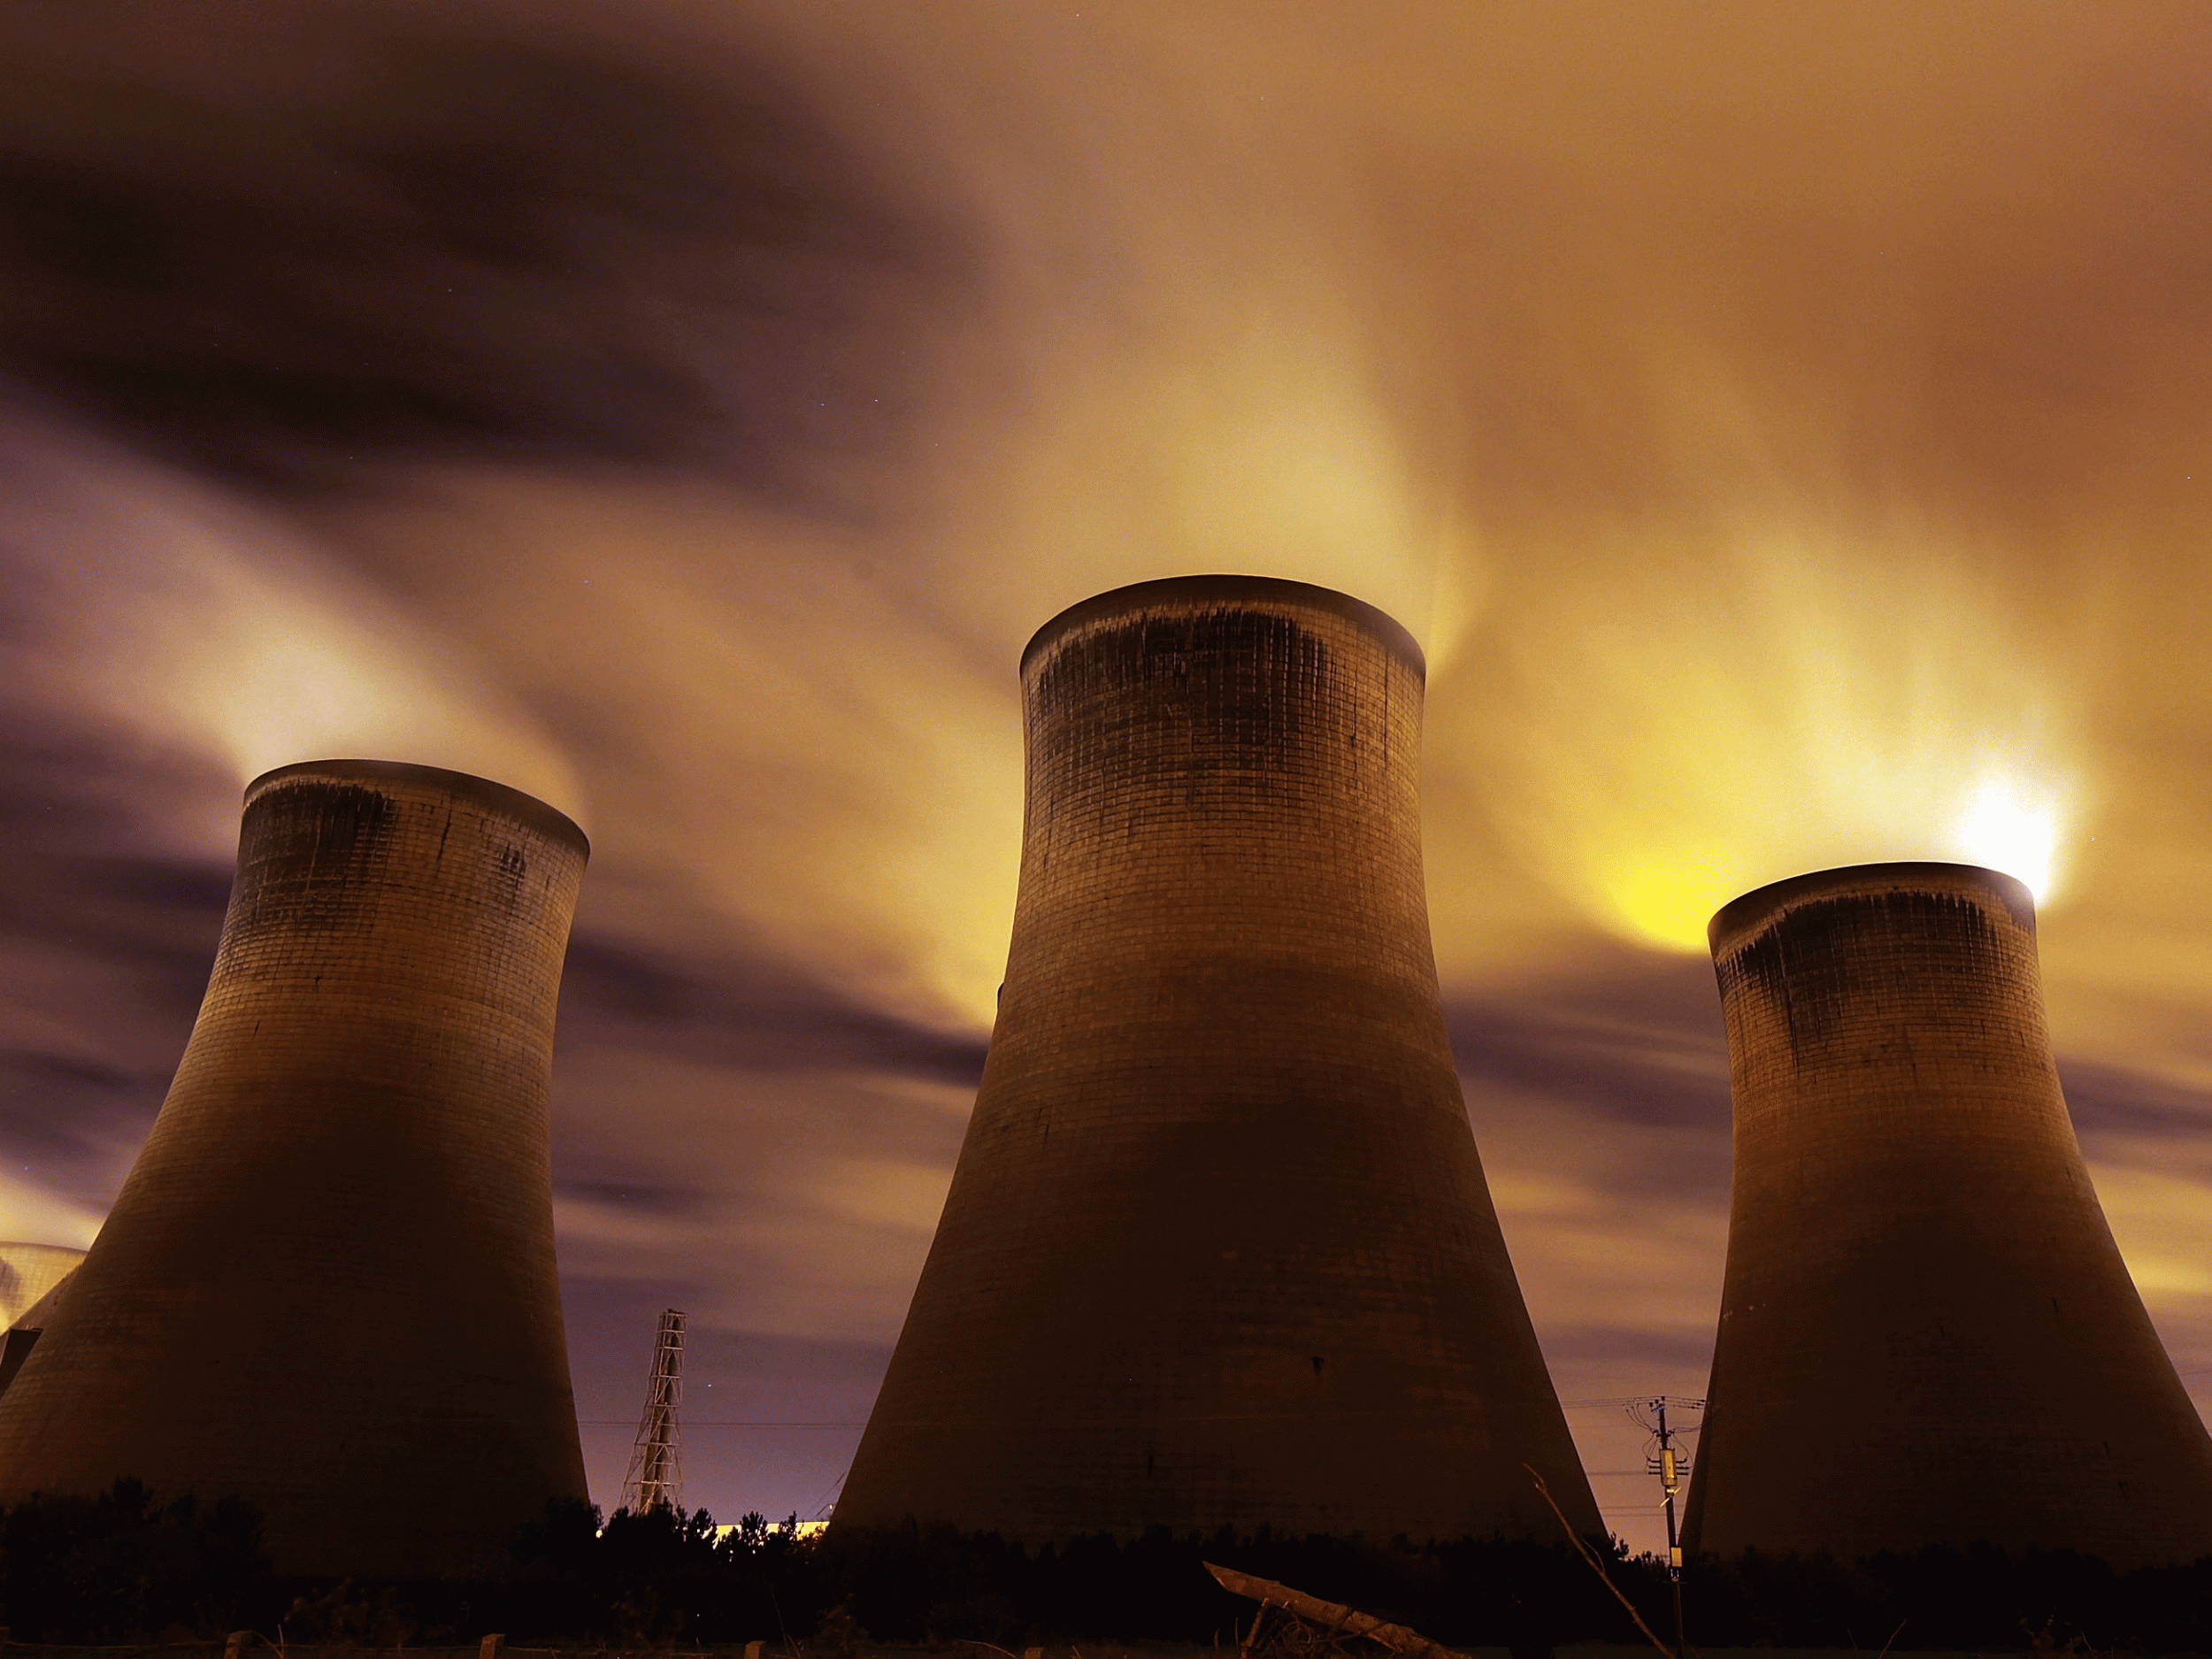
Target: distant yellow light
{"x": 2006, "y": 826}
{"x": 1664, "y": 905}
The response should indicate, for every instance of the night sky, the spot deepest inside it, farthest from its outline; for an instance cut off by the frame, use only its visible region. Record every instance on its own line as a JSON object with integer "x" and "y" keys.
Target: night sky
{"x": 1788, "y": 428}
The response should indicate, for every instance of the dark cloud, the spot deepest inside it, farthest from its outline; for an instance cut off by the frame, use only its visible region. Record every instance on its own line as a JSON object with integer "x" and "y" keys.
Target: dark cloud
{"x": 1634, "y": 1037}
{"x": 161, "y": 915}
{"x": 1636, "y": 1348}
{"x": 454, "y": 236}
{"x": 76, "y": 784}
{"x": 109, "y": 927}
{"x": 645, "y": 1196}
{"x": 755, "y": 1015}
{"x": 2108, "y": 1099}
{"x": 76, "y": 886}
{"x": 69, "y": 1112}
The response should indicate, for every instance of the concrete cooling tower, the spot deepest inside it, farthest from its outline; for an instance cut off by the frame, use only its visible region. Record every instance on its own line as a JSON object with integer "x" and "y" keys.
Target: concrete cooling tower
{"x": 329, "y": 1284}
{"x": 1927, "y": 1335}
{"x": 1219, "y": 1250}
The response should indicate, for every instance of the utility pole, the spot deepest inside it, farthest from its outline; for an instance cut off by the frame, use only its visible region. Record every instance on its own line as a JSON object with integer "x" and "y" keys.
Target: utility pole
{"x": 1672, "y": 1468}
{"x": 655, "y": 1476}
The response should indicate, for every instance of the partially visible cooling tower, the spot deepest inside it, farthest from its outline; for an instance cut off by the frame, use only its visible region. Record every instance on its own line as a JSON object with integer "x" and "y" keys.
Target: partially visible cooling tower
{"x": 1927, "y": 1335}
{"x": 27, "y": 1272}
{"x": 32, "y": 1279}
{"x": 329, "y": 1284}
{"x": 1218, "y": 1251}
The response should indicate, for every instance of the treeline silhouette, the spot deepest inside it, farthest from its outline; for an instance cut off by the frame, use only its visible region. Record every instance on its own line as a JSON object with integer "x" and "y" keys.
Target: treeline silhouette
{"x": 127, "y": 1566}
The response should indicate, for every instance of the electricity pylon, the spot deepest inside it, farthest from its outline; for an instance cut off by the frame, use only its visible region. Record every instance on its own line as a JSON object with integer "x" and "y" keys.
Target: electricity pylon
{"x": 656, "y": 1476}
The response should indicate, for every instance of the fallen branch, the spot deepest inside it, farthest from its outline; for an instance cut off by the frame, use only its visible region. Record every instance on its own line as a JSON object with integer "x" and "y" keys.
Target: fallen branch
{"x": 1335, "y": 1615}
{"x": 1583, "y": 1549}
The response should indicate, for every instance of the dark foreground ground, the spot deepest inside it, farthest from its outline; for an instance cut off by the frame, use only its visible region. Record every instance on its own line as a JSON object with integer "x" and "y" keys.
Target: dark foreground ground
{"x": 934, "y": 1650}
{"x": 131, "y": 1572}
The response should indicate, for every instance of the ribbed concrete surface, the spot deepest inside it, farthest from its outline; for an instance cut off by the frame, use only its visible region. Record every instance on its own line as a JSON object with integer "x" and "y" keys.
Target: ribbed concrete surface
{"x": 1218, "y": 1249}
{"x": 329, "y": 1284}
{"x": 1926, "y": 1335}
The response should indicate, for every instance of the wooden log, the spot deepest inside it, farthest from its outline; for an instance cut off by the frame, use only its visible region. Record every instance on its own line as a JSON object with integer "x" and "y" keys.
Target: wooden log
{"x": 1334, "y": 1615}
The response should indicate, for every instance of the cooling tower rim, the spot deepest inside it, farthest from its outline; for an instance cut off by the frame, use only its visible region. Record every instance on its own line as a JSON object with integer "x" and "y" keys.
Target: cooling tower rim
{"x": 1275, "y": 590}
{"x": 509, "y": 801}
{"x": 1740, "y": 915}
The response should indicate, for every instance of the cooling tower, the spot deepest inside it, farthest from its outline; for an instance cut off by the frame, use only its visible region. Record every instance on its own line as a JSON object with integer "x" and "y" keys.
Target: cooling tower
{"x": 1219, "y": 1250}
{"x": 328, "y": 1283}
{"x": 1926, "y": 1335}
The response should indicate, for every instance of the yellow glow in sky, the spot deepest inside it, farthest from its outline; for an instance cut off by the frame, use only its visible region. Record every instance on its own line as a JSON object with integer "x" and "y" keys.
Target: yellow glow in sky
{"x": 2011, "y": 827}
{"x": 1675, "y": 732}
{"x": 1663, "y": 905}
{"x": 2004, "y": 824}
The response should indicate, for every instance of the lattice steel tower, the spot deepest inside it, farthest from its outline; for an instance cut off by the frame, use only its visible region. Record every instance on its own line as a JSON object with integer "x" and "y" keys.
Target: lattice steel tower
{"x": 656, "y": 1472}
{"x": 1220, "y": 1250}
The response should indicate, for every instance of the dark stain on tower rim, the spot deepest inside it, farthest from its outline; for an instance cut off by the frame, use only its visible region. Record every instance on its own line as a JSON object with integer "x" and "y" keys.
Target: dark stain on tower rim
{"x": 1809, "y": 964}
{"x": 1228, "y": 701}
{"x": 316, "y": 834}
{"x": 309, "y": 845}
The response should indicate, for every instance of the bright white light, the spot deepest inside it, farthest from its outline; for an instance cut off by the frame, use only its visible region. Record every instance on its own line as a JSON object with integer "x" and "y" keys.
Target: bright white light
{"x": 2014, "y": 829}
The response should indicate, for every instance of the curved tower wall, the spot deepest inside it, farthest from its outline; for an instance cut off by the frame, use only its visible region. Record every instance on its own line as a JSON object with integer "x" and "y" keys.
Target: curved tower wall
{"x": 328, "y": 1283}
{"x": 1927, "y": 1335}
{"x": 1219, "y": 1250}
